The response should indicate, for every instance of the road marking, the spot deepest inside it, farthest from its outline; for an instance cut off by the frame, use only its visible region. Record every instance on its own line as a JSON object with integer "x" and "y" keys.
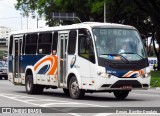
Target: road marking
{"x": 16, "y": 97}
{"x": 145, "y": 94}
{"x": 42, "y": 100}
{"x": 103, "y": 114}
{"x": 32, "y": 99}
{"x": 149, "y": 90}
{"x": 74, "y": 114}
{"x": 69, "y": 103}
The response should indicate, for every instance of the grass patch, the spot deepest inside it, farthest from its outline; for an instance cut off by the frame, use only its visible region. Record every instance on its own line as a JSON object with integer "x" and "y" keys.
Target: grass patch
{"x": 155, "y": 79}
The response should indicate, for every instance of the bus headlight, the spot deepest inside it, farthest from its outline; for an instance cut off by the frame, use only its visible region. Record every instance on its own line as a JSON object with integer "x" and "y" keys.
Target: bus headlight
{"x": 4, "y": 71}
{"x": 146, "y": 75}
{"x": 103, "y": 74}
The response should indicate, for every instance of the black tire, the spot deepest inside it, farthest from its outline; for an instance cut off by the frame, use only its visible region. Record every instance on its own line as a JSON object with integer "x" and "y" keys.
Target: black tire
{"x": 66, "y": 91}
{"x": 6, "y": 77}
{"x": 0, "y": 78}
{"x": 39, "y": 89}
{"x": 74, "y": 90}
{"x": 32, "y": 88}
{"x": 121, "y": 94}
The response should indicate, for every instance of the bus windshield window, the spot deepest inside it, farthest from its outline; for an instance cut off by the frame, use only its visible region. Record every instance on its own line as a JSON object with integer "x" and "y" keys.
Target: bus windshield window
{"x": 124, "y": 43}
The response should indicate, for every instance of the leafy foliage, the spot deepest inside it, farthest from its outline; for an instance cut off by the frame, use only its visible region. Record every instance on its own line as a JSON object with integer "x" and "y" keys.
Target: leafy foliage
{"x": 143, "y": 14}
{"x": 152, "y": 9}
{"x": 86, "y": 10}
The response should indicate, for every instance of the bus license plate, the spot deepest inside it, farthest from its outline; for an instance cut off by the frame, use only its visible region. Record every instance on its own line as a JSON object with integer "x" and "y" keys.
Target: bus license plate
{"x": 126, "y": 87}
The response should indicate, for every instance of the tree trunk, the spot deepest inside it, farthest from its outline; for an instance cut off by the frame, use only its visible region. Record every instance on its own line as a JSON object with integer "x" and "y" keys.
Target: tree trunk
{"x": 156, "y": 52}
{"x": 154, "y": 46}
{"x": 158, "y": 58}
{"x": 157, "y": 28}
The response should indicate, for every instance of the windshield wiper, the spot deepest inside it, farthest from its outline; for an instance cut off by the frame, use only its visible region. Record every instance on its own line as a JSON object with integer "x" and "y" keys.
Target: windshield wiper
{"x": 117, "y": 55}
{"x": 133, "y": 53}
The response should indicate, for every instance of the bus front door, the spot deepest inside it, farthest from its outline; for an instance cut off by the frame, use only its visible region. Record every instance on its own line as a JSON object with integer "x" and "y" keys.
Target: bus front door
{"x": 62, "y": 58}
{"x": 16, "y": 60}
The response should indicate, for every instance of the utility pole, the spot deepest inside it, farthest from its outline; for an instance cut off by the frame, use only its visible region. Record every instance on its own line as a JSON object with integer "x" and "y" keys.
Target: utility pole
{"x": 37, "y": 21}
{"x": 21, "y": 20}
{"x": 104, "y": 11}
{"x": 27, "y": 22}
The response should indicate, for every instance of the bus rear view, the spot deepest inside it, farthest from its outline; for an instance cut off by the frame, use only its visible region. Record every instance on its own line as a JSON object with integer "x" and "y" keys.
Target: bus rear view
{"x": 122, "y": 61}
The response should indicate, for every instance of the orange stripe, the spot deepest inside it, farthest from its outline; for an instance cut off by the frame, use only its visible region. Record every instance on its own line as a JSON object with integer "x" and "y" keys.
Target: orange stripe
{"x": 56, "y": 74}
{"x": 51, "y": 72}
{"x": 126, "y": 75}
{"x": 50, "y": 59}
{"x": 141, "y": 72}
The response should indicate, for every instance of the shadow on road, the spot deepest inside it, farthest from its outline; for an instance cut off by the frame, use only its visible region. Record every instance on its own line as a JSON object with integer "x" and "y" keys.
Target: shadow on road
{"x": 87, "y": 97}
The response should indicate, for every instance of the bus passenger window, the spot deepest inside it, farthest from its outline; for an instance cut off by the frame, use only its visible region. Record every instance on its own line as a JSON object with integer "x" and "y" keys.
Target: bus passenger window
{"x": 54, "y": 42}
{"x": 23, "y": 44}
{"x": 11, "y": 45}
{"x": 31, "y": 43}
{"x": 44, "y": 43}
{"x": 72, "y": 42}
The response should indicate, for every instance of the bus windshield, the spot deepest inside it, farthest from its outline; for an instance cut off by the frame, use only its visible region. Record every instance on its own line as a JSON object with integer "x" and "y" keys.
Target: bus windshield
{"x": 119, "y": 44}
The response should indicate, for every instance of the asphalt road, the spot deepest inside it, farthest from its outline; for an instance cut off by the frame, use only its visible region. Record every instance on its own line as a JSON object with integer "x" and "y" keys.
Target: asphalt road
{"x": 57, "y": 102}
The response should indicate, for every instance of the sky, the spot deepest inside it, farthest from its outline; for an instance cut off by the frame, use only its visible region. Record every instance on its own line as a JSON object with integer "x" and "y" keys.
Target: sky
{"x": 10, "y": 17}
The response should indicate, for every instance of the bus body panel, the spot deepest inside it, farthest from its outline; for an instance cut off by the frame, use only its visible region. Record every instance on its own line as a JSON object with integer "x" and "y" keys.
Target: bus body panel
{"x": 35, "y": 80}
{"x": 90, "y": 75}
{"x": 76, "y": 73}
{"x": 23, "y": 78}
{"x": 101, "y": 81}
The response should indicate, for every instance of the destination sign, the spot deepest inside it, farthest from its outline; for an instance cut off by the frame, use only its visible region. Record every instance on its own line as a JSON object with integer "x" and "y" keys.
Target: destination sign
{"x": 120, "y": 32}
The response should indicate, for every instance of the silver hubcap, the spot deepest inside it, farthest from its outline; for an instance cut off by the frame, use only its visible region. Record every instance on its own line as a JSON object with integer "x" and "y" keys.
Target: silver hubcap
{"x": 74, "y": 88}
{"x": 28, "y": 85}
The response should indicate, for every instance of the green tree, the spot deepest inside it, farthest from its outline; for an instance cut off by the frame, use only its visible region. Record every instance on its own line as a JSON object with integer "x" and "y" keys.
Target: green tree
{"x": 152, "y": 9}
{"x": 126, "y": 12}
{"x": 143, "y": 14}
{"x": 86, "y": 10}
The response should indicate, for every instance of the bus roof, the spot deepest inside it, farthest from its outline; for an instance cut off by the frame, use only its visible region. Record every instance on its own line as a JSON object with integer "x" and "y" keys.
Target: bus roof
{"x": 75, "y": 26}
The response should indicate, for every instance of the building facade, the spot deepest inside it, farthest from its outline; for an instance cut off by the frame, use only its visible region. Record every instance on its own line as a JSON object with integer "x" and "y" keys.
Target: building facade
{"x": 4, "y": 35}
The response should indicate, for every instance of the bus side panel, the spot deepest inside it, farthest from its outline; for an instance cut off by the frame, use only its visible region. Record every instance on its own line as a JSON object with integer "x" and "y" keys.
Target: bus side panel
{"x": 42, "y": 67}
{"x": 46, "y": 69}
{"x": 27, "y": 60}
{"x": 10, "y": 66}
{"x": 23, "y": 78}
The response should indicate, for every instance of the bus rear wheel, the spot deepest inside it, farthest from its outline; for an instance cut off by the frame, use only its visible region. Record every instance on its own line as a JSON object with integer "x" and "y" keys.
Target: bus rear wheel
{"x": 121, "y": 94}
{"x": 74, "y": 90}
{"x": 31, "y": 88}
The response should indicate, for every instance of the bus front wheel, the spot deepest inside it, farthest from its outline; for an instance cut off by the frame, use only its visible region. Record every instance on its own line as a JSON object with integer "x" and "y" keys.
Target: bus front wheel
{"x": 31, "y": 88}
{"x": 121, "y": 94}
{"x": 66, "y": 91}
{"x": 74, "y": 90}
